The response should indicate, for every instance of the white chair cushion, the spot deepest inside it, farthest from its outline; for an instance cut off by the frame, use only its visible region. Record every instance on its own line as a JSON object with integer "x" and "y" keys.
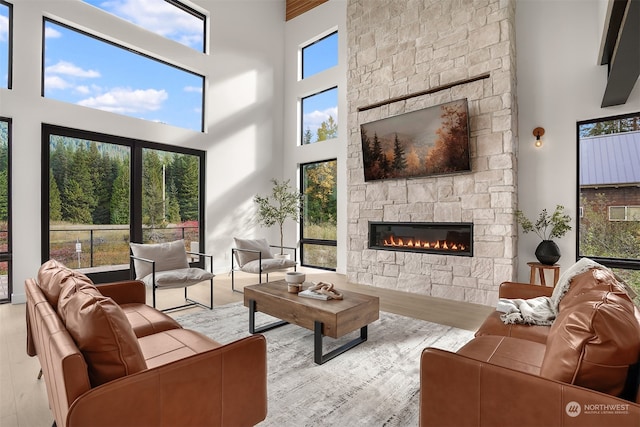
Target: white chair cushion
{"x": 268, "y": 265}
{"x": 178, "y": 278}
{"x": 254, "y": 244}
{"x": 168, "y": 256}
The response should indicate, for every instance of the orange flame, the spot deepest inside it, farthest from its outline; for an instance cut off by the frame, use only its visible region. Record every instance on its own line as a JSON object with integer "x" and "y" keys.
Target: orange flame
{"x": 394, "y": 241}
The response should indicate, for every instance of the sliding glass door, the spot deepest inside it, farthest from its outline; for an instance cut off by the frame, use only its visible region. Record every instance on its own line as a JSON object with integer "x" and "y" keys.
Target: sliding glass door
{"x": 103, "y": 192}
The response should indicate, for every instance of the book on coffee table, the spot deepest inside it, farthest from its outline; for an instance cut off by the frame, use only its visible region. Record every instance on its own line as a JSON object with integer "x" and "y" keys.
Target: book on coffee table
{"x": 313, "y": 294}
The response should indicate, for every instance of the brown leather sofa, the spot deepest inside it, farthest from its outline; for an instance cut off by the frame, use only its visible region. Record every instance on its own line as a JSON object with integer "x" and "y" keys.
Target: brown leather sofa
{"x": 108, "y": 359}
{"x": 580, "y": 371}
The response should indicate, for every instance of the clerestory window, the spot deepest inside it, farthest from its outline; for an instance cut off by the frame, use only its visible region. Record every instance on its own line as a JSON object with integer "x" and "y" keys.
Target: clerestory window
{"x": 169, "y": 18}
{"x": 85, "y": 70}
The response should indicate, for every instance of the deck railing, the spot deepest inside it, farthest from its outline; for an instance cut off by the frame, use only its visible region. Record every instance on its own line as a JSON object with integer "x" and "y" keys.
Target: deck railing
{"x": 97, "y": 245}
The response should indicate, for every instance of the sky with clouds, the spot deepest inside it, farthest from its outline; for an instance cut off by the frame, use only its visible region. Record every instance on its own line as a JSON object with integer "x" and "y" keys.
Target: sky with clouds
{"x": 89, "y": 72}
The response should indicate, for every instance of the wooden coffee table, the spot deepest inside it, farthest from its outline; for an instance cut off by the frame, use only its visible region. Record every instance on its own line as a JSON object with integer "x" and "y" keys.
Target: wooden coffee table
{"x": 331, "y": 318}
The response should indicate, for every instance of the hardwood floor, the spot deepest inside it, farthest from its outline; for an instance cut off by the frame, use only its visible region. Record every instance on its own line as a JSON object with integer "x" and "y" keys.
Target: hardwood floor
{"x": 23, "y": 398}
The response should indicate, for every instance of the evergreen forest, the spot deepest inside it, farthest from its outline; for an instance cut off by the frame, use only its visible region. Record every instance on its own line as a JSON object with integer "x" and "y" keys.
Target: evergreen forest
{"x": 90, "y": 184}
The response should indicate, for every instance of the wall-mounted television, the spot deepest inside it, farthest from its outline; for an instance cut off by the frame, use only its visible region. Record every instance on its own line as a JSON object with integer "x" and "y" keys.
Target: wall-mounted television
{"x": 426, "y": 142}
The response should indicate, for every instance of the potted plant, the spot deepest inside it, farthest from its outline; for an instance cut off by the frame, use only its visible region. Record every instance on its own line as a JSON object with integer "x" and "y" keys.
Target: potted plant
{"x": 283, "y": 203}
{"x": 547, "y": 227}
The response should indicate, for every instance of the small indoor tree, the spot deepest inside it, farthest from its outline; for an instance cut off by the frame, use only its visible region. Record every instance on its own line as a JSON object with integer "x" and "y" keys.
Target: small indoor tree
{"x": 283, "y": 203}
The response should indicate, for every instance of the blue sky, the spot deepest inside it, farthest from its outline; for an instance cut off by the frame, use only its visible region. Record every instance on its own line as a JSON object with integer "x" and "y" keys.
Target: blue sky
{"x": 4, "y": 45}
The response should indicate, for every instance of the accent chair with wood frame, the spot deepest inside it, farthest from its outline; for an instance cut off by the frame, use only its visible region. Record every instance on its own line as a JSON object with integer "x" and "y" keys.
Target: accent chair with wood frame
{"x": 166, "y": 266}
{"x": 254, "y": 256}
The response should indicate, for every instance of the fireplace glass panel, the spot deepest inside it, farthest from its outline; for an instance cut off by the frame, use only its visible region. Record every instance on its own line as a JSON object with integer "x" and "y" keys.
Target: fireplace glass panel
{"x": 426, "y": 237}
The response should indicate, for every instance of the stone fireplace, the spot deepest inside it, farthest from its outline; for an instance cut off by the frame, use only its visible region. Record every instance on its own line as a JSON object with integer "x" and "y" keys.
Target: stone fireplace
{"x": 454, "y": 239}
{"x": 407, "y": 55}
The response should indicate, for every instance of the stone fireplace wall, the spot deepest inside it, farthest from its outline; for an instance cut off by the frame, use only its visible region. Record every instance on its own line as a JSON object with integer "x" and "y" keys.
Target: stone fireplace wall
{"x": 435, "y": 49}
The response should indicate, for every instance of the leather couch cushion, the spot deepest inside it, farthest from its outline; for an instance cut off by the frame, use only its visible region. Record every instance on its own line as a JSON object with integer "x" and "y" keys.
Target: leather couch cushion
{"x": 593, "y": 343}
{"x": 168, "y": 256}
{"x": 101, "y": 331}
{"x": 52, "y": 277}
{"x": 146, "y": 320}
{"x": 175, "y": 344}
{"x": 513, "y": 353}
{"x": 591, "y": 280}
{"x": 493, "y": 325}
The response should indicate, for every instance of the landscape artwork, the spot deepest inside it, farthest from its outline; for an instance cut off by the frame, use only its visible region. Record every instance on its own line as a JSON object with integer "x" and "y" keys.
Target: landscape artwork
{"x": 431, "y": 141}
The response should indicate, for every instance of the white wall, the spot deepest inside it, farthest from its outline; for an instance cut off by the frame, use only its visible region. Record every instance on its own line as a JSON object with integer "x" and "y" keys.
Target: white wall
{"x": 243, "y": 113}
{"x": 559, "y": 84}
{"x": 322, "y": 20}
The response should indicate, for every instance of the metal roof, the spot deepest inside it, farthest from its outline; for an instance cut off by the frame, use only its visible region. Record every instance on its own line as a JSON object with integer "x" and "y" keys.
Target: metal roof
{"x": 610, "y": 159}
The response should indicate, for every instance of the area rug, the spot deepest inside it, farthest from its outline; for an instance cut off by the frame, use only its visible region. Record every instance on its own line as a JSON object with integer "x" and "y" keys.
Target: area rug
{"x": 374, "y": 384}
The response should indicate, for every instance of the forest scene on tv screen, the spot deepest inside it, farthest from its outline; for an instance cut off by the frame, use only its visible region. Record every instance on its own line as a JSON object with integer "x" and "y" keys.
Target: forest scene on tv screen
{"x": 431, "y": 141}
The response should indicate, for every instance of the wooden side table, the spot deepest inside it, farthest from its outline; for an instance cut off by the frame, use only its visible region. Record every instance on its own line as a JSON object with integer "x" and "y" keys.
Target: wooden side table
{"x": 540, "y": 268}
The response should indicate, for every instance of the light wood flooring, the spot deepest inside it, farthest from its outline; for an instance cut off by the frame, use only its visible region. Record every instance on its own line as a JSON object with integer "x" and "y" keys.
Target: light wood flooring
{"x": 23, "y": 398}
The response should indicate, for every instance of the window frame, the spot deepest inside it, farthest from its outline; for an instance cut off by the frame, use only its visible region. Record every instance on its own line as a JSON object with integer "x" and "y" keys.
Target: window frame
{"x": 128, "y": 49}
{"x": 308, "y": 241}
{"x": 622, "y": 263}
{"x": 626, "y": 213}
{"x": 197, "y": 14}
{"x": 8, "y": 256}
{"x": 135, "y": 206}
{"x": 301, "y": 118}
{"x": 316, "y": 41}
{"x": 10, "y": 45}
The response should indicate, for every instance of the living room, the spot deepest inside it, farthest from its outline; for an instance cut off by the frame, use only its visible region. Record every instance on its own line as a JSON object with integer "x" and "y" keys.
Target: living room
{"x": 543, "y": 56}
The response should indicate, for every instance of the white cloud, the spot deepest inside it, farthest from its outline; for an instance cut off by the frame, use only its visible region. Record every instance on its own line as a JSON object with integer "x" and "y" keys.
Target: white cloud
{"x": 158, "y": 16}
{"x": 4, "y": 28}
{"x": 51, "y": 33}
{"x": 314, "y": 119}
{"x": 127, "y": 101}
{"x": 56, "y": 82}
{"x": 69, "y": 69}
{"x": 193, "y": 89}
{"x": 83, "y": 90}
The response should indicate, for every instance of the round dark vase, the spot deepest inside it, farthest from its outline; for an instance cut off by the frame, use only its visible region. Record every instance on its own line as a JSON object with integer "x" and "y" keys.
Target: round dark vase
{"x": 548, "y": 252}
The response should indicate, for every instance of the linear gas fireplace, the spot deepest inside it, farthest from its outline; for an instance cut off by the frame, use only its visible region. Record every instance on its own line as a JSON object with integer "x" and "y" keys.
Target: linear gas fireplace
{"x": 447, "y": 238}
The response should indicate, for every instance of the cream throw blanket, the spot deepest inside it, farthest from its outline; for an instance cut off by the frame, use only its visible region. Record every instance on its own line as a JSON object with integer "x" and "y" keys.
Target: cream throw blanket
{"x": 542, "y": 310}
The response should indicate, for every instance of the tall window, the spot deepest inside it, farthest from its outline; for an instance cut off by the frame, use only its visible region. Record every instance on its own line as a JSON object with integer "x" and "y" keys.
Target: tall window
{"x": 103, "y": 192}
{"x": 319, "y": 121}
{"x": 320, "y": 116}
{"x": 5, "y": 210}
{"x": 609, "y": 194}
{"x": 169, "y": 18}
{"x": 85, "y": 70}
{"x": 5, "y": 44}
{"x": 319, "y": 215}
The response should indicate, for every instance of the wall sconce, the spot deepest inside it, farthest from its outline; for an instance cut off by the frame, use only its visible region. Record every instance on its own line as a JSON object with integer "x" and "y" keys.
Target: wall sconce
{"x": 538, "y": 132}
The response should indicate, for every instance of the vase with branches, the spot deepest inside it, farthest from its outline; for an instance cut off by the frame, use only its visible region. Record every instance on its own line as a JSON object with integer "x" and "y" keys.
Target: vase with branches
{"x": 283, "y": 203}
{"x": 547, "y": 227}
